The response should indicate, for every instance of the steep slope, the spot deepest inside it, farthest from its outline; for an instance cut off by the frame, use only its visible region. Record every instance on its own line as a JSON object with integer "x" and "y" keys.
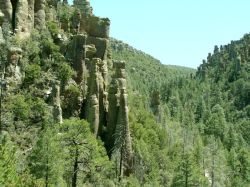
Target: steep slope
{"x": 55, "y": 88}
{"x": 216, "y": 104}
{"x": 73, "y": 114}
{"x": 145, "y": 72}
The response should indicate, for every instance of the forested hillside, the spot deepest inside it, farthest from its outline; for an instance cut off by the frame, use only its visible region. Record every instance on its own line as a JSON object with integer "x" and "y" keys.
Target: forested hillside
{"x": 144, "y": 71}
{"x": 79, "y": 108}
{"x": 203, "y": 117}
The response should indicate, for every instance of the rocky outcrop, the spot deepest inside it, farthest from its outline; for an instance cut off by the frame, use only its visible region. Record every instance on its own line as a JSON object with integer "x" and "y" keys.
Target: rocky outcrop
{"x": 88, "y": 51}
{"x": 85, "y": 94}
{"x": 101, "y": 45}
{"x": 118, "y": 121}
{"x": 1, "y": 30}
{"x": 6, "y": 9}
{"x": 77, "y": 53}
{"x": 23, "y": 15}
{"x": 1, "y": 36}
{"x": 97, "y": 27}
{"x": 39, "y": 11}
{"x": 84, "y": 7}
{"x": 106, "y": 112}
{"x": 13, "y": 73}
{"x": 56, "y": 102}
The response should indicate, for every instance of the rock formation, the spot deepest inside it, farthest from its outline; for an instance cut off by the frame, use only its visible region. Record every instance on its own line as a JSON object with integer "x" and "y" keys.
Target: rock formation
{"x": 56, "y": 102}
{"x": 78, "y": 55}
{"x": 6, "y": 9}
{"x": 118, "y": 122}
{"x": 84, "y": 7}
{"x": 13, "y": 73}
{"x": 23, "y": 15}
{"x": 39, "y": 13}
{"x": 88, "y": 52}
{"x": 86, "y": 94}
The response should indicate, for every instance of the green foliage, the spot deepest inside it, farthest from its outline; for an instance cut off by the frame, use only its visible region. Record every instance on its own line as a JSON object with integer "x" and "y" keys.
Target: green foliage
{"x": 202, "y": 141}
{"x": 19, "y": 107}
{"x": 85, "y": 158}
{"x": 53, "y": 28}
{"x": 32, "y": 73}
{"x": 71, "y": 99}
{"x": 8, "y": 170}
{"x": 45, "y": 161}
{"x": 65, "y": 72}
{"x": 144, "y": 72}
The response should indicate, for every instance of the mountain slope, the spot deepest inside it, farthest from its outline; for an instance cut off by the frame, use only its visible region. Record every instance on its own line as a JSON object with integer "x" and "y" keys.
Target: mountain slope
{"x": 143, "y": 71}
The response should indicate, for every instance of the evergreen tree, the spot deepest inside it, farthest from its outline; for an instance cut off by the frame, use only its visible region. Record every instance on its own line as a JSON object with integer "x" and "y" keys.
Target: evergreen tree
{"x": 8, "y": 162}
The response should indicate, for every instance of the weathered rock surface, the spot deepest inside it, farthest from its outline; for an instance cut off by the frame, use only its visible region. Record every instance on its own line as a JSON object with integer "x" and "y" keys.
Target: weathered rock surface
{"x": 101, "y": 45}
{"x": 21, "y": 21}
{"x": 98, "y": 27}
{"x": 13, "y": 73}
{"x": 6, "y": 9}
{"x": 57, "y": 110}
{"x": 86, "y": 95}
{"x": 23, "y": 15}
{"x": 39, "y": 10}
{"x": 1, "y": 36}
{"x": 118, "y": 120}
{"x": 77, "y": 53}
{"x": 84, "y": 6}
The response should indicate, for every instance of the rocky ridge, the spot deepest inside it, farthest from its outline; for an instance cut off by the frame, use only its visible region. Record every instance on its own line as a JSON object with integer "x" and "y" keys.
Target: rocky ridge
{"x": 102, "y": 104}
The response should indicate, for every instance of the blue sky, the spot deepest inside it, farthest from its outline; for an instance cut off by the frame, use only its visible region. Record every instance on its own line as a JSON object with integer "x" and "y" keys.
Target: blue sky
{"x": 178, "y": 32}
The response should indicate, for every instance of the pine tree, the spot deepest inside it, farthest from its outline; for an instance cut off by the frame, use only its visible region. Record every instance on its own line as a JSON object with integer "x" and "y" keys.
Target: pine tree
{"x": 46, "y": 162}
{"x": 8, "y": 162}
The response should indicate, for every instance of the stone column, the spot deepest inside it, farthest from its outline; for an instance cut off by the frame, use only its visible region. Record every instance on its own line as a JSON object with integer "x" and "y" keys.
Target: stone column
{"x": 21, "y": 17}
{"x": 13, "y": 72}
{"x": 6, "y": 9}
{"x": 39, "y": 10}
{"x": 78, "y": 56}
{"x": 57, "y": 110}
{"x": 118, "y": 120}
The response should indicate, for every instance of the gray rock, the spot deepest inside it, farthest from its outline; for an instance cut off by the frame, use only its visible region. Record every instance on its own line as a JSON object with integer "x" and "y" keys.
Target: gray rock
{"x": 13, "y": 73}
{"x": 1, "y": 36}
{"x": 118, "y": 116}
{"x": 39, "y": 10}
{"x": 6, "y": 9}
{"x": 21, "y": 16}
{"x": 101, "y": 45}
{"x": 57, "y": 110}
{"x": 98, "y": 27}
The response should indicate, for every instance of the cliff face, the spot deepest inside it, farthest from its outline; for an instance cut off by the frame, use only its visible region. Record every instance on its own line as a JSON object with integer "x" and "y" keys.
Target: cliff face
{"x": 23, "y": 15}
{"x": 85, "y": 48}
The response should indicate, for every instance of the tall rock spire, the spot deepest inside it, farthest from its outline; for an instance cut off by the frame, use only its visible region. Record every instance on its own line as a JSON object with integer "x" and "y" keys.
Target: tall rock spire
{"x": 118, "y": 133}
